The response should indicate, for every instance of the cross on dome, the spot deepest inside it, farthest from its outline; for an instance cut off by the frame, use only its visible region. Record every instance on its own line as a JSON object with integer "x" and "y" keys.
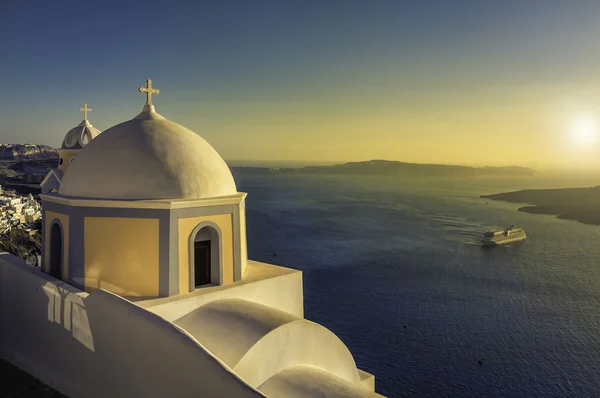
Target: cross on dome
{"x": 149, "y": 91}
{"x": 85, "y": 110}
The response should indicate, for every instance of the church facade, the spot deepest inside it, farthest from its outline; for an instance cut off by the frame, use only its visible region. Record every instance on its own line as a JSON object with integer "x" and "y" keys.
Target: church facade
{"x": 144, "y": 256}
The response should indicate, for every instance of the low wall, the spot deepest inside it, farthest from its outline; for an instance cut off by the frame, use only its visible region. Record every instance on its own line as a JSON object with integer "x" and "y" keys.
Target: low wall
{"x": 100, "y": 345}
{"x": 274, "y": 286}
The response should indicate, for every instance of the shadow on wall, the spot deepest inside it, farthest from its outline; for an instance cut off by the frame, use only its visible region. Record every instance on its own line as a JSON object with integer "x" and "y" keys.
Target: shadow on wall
{"x": 98, "y": 344}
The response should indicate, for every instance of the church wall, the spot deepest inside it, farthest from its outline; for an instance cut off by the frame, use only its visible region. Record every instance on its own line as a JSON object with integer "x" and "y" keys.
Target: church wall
{"x": 239, "y": 240}
{"x": 267, "y": 284}
{"x": 185, "y": 229}
{"x": 100, "y": 345}
{"x": 168, "y": 272}
{"x": 237, "y": 247}
{"x": 122, "y": 255}
{"x": 50, "y": 216}
{"x": 50, "y": 182}
{"x": 243, "y": 238}
{"x": 169, "y": 256}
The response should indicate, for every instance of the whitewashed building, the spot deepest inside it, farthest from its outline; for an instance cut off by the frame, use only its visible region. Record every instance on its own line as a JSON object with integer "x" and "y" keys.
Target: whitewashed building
{"x": 146, "y": 290}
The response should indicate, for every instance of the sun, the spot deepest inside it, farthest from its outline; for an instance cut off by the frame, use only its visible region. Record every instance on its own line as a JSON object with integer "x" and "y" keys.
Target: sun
{"x": 585, "y": 131}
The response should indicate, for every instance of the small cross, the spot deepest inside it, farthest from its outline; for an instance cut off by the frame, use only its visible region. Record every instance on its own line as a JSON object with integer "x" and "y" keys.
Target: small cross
{"x": 149, "y": 91}
{"x": 85, "y": 110}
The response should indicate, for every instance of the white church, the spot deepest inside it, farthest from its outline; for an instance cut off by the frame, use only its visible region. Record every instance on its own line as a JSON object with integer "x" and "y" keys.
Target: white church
{"x": 145, "y": 288}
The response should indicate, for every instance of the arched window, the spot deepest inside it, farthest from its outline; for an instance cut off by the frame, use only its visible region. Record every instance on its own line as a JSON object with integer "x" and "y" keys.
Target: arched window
{"x": 205, "y": 256}
{"x": 56, "y": 251}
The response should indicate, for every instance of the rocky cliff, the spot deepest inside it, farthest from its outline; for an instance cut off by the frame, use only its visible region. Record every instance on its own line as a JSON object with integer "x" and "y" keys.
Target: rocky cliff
{"x": 27, "y": 152}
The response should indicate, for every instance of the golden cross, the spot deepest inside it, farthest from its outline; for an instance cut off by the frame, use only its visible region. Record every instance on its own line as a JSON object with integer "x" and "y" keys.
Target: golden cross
{"x": 149, "y": 91}
{"x": 85, "y": 110}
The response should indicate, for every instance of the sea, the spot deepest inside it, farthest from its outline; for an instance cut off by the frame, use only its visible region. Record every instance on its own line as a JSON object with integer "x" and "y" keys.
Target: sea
{"x": 394, "y": 268}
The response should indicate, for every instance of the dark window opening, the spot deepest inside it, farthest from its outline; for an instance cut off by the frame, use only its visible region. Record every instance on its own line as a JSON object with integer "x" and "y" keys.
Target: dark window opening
{"x": 202, "y": 263}
{"x": 56, "y": 252}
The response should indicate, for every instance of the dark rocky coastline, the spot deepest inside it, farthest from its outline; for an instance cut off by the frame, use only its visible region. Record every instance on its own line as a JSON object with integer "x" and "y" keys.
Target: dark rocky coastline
{"x": 578, "y": 204}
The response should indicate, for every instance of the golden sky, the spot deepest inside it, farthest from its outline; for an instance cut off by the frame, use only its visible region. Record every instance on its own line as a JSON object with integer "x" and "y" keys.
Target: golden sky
{"x": 467, "y": 82}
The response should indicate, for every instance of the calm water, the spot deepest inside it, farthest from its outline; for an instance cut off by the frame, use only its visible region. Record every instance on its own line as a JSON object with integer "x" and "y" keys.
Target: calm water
{"x": 381, "y": 254}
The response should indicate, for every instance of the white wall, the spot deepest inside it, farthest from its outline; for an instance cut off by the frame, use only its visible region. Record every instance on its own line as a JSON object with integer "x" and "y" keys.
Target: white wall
{"x": 282, "y": 291}
{"x": 100, "y": 345}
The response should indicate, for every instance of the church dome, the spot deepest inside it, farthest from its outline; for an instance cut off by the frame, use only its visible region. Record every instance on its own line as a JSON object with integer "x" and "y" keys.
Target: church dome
{"x": 148, "y": 157}
{"x": 80, "y": 136}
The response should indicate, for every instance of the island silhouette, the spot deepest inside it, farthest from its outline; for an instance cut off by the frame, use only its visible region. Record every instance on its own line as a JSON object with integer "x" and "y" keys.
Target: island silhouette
{"x": 578, "y": 204}
{"x": 396, "y": 168}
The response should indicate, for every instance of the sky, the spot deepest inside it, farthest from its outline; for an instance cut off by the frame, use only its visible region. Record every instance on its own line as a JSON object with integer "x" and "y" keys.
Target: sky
{"x": 461, "y": 82}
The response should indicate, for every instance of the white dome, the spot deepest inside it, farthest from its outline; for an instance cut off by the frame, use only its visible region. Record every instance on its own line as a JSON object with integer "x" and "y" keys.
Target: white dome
{"x": 148, "y": 157}
{"x": 80, "y": 136}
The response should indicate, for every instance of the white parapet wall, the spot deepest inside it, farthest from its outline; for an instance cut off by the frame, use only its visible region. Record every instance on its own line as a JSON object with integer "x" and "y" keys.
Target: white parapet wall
{"x": 274, "y": 286}
{"x": 101, "y": 345}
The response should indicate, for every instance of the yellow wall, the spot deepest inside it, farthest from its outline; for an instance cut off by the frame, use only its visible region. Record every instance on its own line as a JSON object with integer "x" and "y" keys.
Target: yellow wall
{"x": 121, "y": 255}
{"x": 186, "y": 227}
{"x": 64, "y": 220}
{"x": 244, "y": 241}
{"x": 66, "y": 156}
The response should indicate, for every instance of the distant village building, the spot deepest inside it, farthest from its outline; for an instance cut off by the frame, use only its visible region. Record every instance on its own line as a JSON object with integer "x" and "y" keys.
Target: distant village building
{"x": 146, "y": 290}
{"x": 15, "y": 210}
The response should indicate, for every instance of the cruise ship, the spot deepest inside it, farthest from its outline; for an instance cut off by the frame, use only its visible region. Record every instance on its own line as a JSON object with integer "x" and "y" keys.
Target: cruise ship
{"x": 501, "y": 236}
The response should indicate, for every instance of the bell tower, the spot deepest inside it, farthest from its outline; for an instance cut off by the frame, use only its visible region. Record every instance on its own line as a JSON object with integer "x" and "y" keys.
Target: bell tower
{"x": 75, "y": 140}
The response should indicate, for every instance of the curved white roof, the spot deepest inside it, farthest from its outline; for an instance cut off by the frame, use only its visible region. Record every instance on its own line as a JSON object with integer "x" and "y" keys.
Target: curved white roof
{"x": 80, "y": 135}
{"x": 148, "y": 157}
{"x": 258, "y": 341}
